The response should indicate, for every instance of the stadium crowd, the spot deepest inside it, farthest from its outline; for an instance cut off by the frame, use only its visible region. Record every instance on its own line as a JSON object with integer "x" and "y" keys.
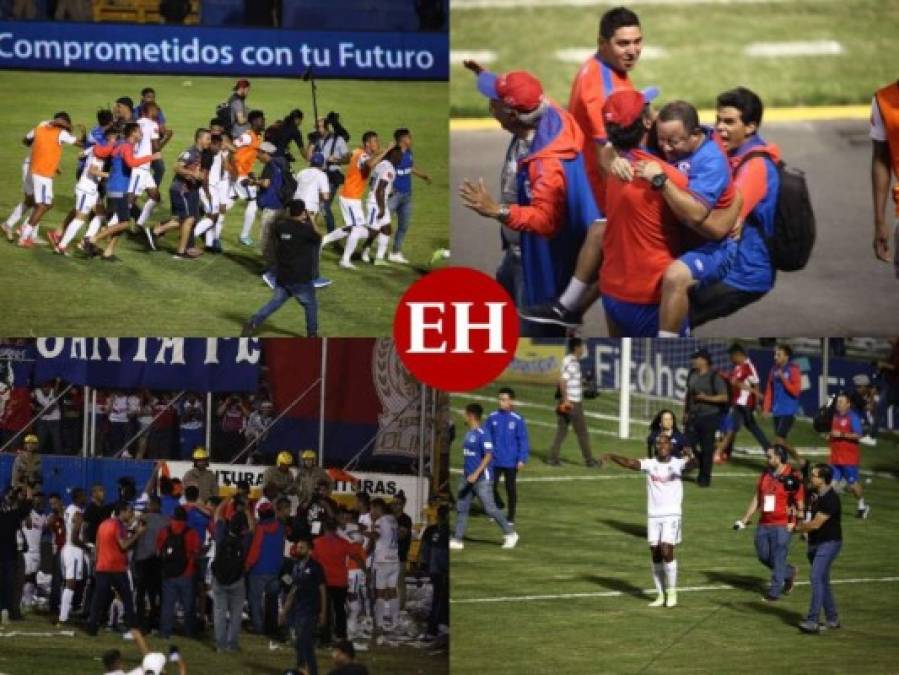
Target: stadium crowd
{"x": 672, "y": 223}
{"x": 290, "y": 564}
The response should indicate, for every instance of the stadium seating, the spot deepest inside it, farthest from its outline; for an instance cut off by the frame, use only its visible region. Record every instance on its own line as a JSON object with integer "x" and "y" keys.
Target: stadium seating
{"x": 137, "y": 11}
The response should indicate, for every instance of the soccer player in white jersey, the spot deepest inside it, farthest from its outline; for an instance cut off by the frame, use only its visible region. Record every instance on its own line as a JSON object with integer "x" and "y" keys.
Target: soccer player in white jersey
{"x": 27, "y": 203}
{"x": 73, "y": 559}
{"x": 664, "y": 498}
{"x": 385, "y": 566}
{"x": 151, "y": 141}
{"x": 312, "y": 184}
{"x": 33, "y": 528}
{"x": 214, "y": 195}
{"x": 356, "y": 591}
{"x": 87, "y": 199}
{"x": 378, "y": 213}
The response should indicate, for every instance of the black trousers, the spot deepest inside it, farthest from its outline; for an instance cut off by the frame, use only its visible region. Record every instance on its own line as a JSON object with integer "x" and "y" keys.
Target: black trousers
{"x": 439, "y": 603}
{"x": 106, "y": 582}
{"x": 8, "y": 576}
{"x": 511, "y": 490}
{"x": 148, "y": 587}
{"x": 701, "y": 434}
{"x": 336, "y": 613}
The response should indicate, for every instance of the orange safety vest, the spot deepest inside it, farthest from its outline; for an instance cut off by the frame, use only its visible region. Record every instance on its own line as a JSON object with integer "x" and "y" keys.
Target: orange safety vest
{"x": 46, "y": 152}
{"x": 356, "y": 178}
{"x": 246, "y": 154}
{"x": 888, "y": 102}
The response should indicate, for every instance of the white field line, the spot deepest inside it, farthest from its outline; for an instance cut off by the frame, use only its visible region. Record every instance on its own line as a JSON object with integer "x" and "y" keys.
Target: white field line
{"x": 799, "y": 48}
{"x": 647, "y": 591}
{"x": 548, "y": 425}
{"x": 728, "y": 474}
{"x": 542, "y": 406}
{"x": 581, "y": 54}
{"x": 596, "y": 4}
{"x": 457, "y": 56}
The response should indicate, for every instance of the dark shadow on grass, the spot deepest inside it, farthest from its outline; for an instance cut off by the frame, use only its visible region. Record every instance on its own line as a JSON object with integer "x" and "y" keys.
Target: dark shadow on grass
{"x": 250, "y": 263}
{"x": 743, "y": 461}
{"x": 478, "y": 540}
{"x": 788, "y": 616}
{"x": 741, "y": 581}
{"x": 615, "y": 584}
{"x": 632, "y": 529}
{"x": 266, "y": 328}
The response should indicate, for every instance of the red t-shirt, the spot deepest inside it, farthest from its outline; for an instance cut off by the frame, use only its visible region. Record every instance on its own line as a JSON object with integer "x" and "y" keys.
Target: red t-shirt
{"x": 642, "y": 236}
{"x": 331, "y": 552}
{"x": 110, "y": 556}
{"x": 744, "y": 373}
{"x": 844, "y": 451}
{"x": 191, "y": 544}
{"x": 774, "y": 500}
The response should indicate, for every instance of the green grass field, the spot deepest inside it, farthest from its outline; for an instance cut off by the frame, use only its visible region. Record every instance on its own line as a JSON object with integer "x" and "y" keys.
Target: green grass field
{"x": 152, "y": 294}
{"x": 704, "y": 45}
{"x": 583, "y": 538}
{"x": 80, "y": 655}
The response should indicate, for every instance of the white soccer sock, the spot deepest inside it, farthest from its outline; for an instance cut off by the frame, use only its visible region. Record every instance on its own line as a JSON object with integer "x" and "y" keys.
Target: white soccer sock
{"x": 94, "y": 226}
{"x": 667, "y": 334}
{"x": 28, "y": 593}
{"x": 379, "y": 612}
{"x": 671, "y": 575}
{"x": 248, "y": 219}
{"x": 658, "y": 577}
{"x": 353, "y": 617}
{"x": 203, "y": 226}
{"x": 71, "y": 232}
{"x": 37, "y": 231}
{"x": 861, "y": 503}
{"x": 336, "y": 235}
{"x": 393, "y": 610}
{"x": 383, "y": 240}
{"x": 146, "y": 211}
{"x": 65, "y": 604}
{"x": 220, "y": 221}
{"x": 16, "y": 215}
{"x": 27, "y": 232}
{"x": 573, "y": 294}
{"x": 356, "y": 234}
{"x": 114, "y": 220}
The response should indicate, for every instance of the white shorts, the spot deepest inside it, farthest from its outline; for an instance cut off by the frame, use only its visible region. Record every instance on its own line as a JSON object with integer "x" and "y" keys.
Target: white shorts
{"x": 73, "y": 563}
{"x": 85, "y": 201}
{"x": 663, "y": 530}
{"x": 32, "y": 562}
{"x": 351, "y": 211}
{"x": 387, "y": 575}
{"x": 141, "y": 181}
{"x": 356, "y": 582}
{"x": 373, "y": 221}
{"x": 43, "y": 189}
{"x": 27, "y": 184}
{"x": 245, "y": 192}
{"x": 211, "y": 204}
{"x": 225, "y": 193}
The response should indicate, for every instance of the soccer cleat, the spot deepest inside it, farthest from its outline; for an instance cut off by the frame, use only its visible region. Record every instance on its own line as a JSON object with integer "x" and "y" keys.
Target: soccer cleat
{"x": 269, "y": 280}
{"x": 26, "y": 243}
{"x": 398, "y": 258}
{"x": 510, "y": 540}
{"x": 151, "y": 238}
{"x": 181, "y": 256}
{"x": 770, "y": 598}
{"x": 867, "y": 440}
{"x": 62, "y": 250}
{"x": 8, "y": 231}
{"x": 321, "y": 282}
{"x": 54, "y": 238}
{"x": 831, "y": 625}
{"x": 671, "y": 598}
{"x": 456, "y": 545}
{"x": 593, "y": 463}
{"x": 246, "y": 241}
{"x": 346, "y": 264}
{"x": 863, "y": 512}
{"x": 809, "y": 627}
{"x": 365, "y": 257}
{"x": 551, "y": 313}
{"x": 380, "y": 262}
{"x": 659, "y": 601}
{"x": 791, "y": 580}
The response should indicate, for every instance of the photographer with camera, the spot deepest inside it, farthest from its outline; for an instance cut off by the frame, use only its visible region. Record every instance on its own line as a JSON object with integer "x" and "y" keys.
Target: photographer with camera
{"x": 276, "y": 188}
{"x": 780, "y": 496}
{"x": 287, "y": 130}
{"x": 332, "y": 143}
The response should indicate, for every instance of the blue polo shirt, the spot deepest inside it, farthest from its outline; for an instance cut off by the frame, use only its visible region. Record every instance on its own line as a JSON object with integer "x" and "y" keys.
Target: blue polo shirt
{"x": 403, "y": 181}
{"x": 707, "y": 171}
{"x": 476, "y": 446}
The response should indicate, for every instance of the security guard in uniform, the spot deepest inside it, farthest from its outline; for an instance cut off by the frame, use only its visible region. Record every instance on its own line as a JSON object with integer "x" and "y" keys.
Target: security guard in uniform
{"x": 279, "y": 475}
{"x": 309, "y": 477}
{"x": 26, "y": 469}
{"x": 201, "y": 476}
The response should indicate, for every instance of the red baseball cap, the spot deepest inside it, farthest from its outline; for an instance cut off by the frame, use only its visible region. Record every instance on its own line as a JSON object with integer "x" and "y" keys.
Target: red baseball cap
{"x": 517, "y": 89}
{"x": 625, "y": 106}
{"x": 242, "y": 83}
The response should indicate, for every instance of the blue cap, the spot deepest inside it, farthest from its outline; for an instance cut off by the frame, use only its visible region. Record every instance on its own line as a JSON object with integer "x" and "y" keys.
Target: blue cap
{"x": 650, "y": 93}
{"x": 487, "y": 84}
{"x": 318, "y": 159}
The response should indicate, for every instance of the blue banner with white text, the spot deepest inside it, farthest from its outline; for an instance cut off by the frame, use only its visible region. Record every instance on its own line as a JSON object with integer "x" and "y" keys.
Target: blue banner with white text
{"x": 194, "y": 364}
{"x": 200, "y": 50}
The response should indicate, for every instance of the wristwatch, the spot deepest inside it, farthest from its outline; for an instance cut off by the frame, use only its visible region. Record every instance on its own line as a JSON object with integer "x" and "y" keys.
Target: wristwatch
{"x": 658, "y": 181}
{"x": 503, "y": 215}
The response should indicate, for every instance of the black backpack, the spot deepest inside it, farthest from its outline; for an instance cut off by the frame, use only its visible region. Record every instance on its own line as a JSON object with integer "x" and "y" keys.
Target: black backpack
{"x": 823, "y": 420}
{"x": 288, "y": 187}
{"x": 794, "y": 219}
{"x": 227, "y": 566}
{"x": 174, "y": 554}
{"x": 223, "y": 115}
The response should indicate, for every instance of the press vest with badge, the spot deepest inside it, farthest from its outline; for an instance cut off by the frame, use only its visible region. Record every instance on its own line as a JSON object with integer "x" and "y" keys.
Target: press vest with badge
{"x": 888, "y": 103}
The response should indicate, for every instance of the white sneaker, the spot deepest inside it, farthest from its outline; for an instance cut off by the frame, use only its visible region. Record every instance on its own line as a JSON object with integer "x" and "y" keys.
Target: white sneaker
{"x": 360, "y": 646}
{"x": 456, "y": 545}
{"x": 659, "y": 601}
{"x": 365, "y": 257}
{"x": 671, "y": 599}
{"x": 398, "y": 258}
{"x": 867, "y": 440}
{"x": 346, "y": 264}
{"x": 510, "y": 540}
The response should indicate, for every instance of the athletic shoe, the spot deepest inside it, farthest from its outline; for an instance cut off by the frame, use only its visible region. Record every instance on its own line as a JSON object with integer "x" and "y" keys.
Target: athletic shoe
{"x": 551, "y": 313}
{"x": 54, "y": 238}
{"x": 321, "y": 282}
{"x": 659, "y": 601}
{"x": 346, "y": 264}
{"x": 809, "y": 627}
{"x": 554, "y": 462}
{"x": 456, "y": 545}
{"x": 671, "y": 599}
{"x": 398, "y": 258}
{"x": 510, "y": 540}
{"x": 593, "y": 463}
{"x": 791, "y": 580}
{"x": 8, "y": 231}
{"x": 39, "y": 241}
{"x": 360, "y": 646}
{"x": 831, "y": 625}
{"x": 246, "y": 241}
{"x": 269, "y": 279}
{"x": 380, "y": 262}
{"x": 365, "y": 257}
{"x": 151, "y": 238}
{"x": 770, "y": 598}
{"x": 247, "y": 329}
{"x": 26, "y": 243}
{"x": 181, "y": 256}
{"x": 62, "y": 250}
{"x": 867, "y": 440}
{"x": 193, "y": 252}
{"x": 863, "y": 512}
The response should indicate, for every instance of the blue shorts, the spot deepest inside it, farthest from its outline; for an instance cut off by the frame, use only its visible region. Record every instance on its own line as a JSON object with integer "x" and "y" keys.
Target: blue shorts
{"x": 635, "y": 320}
{"x": 712, "y": 261}
{"x": 185, "y": 204}
{"x": 845, "y": 471}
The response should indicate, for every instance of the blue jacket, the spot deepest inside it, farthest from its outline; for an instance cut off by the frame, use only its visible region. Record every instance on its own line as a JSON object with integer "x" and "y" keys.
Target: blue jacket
{"x": 403, "y": 181}
{"x": 510, "y": 438}
{"x": 475, "y": 446}
{"x": 266, "y": 548}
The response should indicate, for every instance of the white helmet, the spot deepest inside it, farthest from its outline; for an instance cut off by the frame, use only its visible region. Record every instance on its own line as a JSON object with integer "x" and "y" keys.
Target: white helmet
{"x": 154, "y": 663}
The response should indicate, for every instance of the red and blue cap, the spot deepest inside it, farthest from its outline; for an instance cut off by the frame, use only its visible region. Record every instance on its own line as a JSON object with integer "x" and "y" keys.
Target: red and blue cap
{"x": 625, "y": 106}
{"x": 517, "y": 89}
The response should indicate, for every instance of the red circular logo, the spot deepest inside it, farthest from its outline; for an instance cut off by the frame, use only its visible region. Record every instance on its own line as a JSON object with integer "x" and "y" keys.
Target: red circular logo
{"x": 456, "y": 329}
